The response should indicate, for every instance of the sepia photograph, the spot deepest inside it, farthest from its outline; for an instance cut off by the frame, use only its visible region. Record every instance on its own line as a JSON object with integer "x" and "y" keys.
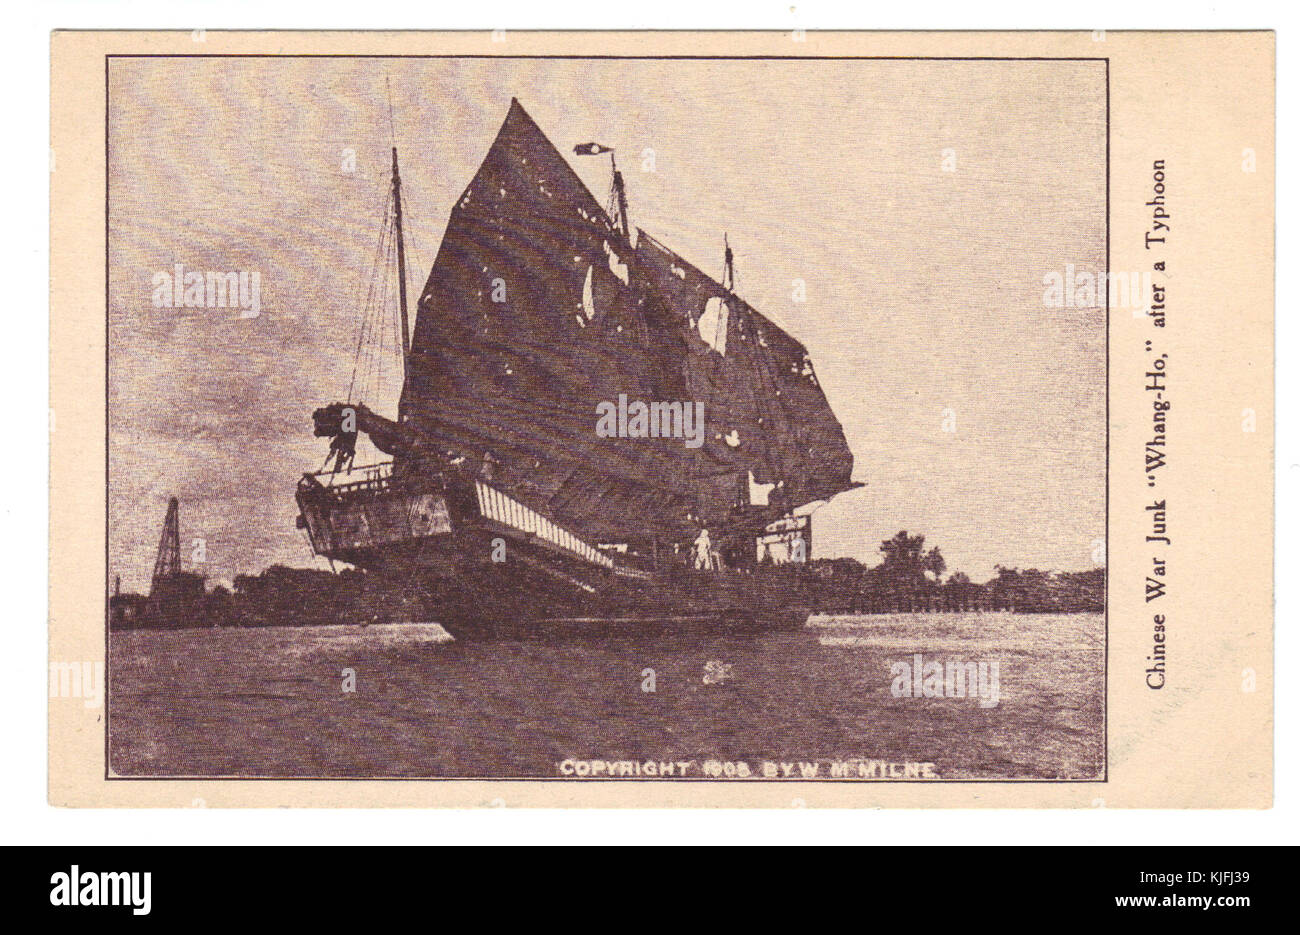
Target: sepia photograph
{"x": 610, "y": 418}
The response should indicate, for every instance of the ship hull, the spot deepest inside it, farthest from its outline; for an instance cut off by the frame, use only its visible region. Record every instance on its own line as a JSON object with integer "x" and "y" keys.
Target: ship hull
{"x": 472, "y": 569}
{"x": 533, "y": 597}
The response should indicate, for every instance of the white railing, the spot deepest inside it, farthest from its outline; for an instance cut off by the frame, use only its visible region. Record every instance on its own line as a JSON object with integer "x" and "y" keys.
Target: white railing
{"x": 508, "y": 511}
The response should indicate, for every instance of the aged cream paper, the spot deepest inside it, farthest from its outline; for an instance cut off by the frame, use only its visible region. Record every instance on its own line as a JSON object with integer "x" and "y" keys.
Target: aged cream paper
{"x": 1033, "y": 273}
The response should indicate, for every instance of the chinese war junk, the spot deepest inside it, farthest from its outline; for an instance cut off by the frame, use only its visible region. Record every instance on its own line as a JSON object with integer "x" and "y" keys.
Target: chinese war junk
{"x": 592, "y": 433}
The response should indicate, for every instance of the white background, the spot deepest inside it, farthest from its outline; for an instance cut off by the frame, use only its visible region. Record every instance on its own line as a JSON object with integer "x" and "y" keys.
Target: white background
{"x": 25, "y": 818}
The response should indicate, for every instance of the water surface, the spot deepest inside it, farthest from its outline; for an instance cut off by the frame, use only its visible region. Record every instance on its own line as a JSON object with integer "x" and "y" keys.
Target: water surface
{"x": 270, "y": 702}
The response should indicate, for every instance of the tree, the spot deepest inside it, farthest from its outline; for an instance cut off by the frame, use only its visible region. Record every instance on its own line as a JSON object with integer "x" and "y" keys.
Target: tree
{"x": 933, "y": 562}
{"x": 903, "y": 570}
{"x": 960, "y": 593}
{"x": 903, "y": 555}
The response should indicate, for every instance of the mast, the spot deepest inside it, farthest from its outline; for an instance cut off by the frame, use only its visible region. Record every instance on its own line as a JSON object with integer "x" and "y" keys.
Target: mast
{"x": 621, "y": 194}
{"x": 618, "y": 194}
{"x": 401, "y": 270}
{"x": 729, "y": 283}
{"x": 728, "y": 267}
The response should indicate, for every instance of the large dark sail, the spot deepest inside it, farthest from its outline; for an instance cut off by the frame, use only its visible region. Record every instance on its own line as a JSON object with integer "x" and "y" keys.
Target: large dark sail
{"x": 537, "y": 310}
{"x": 766, "y": 412}
{"x": 528, "y": 321}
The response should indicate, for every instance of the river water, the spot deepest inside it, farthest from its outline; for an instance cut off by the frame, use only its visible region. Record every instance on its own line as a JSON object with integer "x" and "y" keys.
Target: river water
{"x": 275, "y": 702}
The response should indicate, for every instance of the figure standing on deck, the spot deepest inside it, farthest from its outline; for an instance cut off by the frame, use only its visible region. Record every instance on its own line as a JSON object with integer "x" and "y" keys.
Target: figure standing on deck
{"x": 703, "y": 551}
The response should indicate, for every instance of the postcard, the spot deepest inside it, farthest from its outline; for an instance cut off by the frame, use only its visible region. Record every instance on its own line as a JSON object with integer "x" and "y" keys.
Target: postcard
{"x": 662, "y": 419}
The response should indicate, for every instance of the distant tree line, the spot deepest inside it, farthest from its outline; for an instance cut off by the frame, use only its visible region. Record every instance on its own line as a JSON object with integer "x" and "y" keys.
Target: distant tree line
{"x": 909, "y": 579}
{"x": 279, "y": 596}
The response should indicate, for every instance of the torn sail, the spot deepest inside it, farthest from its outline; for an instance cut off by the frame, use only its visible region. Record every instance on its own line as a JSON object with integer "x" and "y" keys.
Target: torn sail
{"x": 766, "y": 412}
{"x": 537, "y": 311}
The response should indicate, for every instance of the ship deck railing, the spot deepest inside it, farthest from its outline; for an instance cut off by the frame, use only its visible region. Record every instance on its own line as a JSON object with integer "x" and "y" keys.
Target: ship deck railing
{"x": 376, "y": 480}
{"x": 505, "y": 510}
{"x": 494, "y": 505}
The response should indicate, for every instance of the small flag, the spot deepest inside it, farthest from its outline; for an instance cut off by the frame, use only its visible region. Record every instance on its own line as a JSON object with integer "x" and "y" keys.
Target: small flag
{"x": 591, "y": 149}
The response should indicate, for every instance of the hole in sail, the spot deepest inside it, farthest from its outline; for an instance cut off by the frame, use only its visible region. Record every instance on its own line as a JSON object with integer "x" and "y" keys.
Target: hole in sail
{"x": 713, "y": 324}
{"x": 733, "y": 439}
{"x": 616, "y": 267}
{"x": 588, "y": 303}
{"x": 679, "y": 272}
{"x": 758, "y": 492}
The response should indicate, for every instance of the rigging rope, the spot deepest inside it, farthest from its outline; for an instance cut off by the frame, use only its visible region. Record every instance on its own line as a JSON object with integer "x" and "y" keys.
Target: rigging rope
{"x": 370, "y": 293}
{"x": 379, "y": 315}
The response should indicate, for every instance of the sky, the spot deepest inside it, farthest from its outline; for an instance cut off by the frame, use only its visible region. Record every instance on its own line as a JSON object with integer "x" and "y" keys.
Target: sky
{"x": 921, "y": 203}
